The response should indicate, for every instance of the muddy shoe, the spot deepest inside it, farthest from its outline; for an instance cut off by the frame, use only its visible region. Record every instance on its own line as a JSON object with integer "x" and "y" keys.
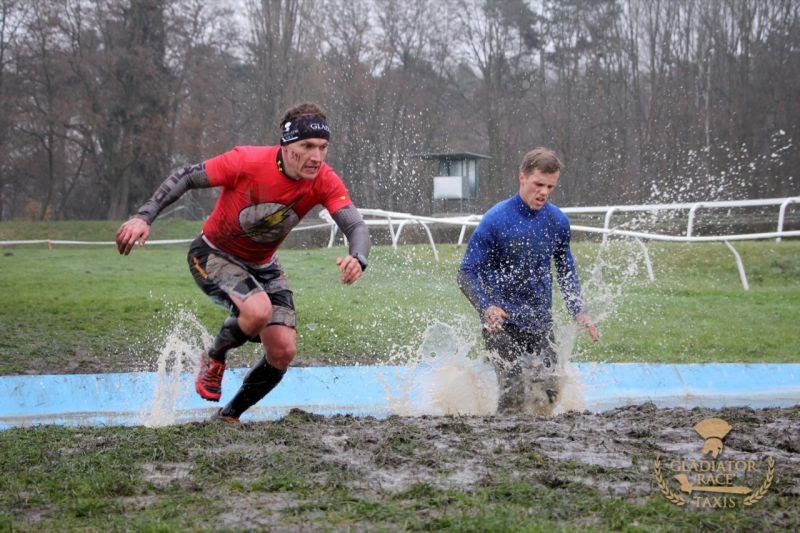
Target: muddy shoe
{"x": 208, "y": 383}
{"x": 218, "y": 416}
{"x": 552, "y": 395}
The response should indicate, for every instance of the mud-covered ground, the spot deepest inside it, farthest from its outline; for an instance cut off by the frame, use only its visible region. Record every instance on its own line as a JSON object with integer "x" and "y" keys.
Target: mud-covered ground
{"x": 620, "y": 445}
{"x": 628, "y": 454}
{"x": 574, "y": 471}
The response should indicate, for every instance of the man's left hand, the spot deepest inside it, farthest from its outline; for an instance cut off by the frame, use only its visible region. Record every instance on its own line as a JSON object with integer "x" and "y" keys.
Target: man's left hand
{"x": 584, "y": 319}
{"x": 350, "y": 269}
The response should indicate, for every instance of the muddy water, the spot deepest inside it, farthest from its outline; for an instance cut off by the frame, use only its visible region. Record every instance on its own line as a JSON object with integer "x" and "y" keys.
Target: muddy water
{"x": 445, "y": 376}
{"x": 614, "y": 453}
{"x": 458, "y": 377}
{"x": 448, "y": 432}
{"x": 448, "y": 377}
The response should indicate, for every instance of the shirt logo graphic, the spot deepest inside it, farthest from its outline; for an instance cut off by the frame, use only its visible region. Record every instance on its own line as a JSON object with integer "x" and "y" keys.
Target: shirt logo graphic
{"x": 268, "y": 222}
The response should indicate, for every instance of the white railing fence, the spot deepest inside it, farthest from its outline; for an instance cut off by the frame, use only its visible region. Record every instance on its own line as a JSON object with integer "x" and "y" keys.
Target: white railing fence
{"x": 396, "y": 222}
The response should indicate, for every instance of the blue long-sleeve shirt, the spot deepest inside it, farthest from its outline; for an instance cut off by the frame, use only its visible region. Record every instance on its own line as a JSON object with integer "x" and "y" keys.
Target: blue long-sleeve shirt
{"x": 507, "y": 264}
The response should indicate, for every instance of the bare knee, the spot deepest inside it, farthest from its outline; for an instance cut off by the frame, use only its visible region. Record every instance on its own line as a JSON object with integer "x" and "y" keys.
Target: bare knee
{"x": 280, "y": 345}
{"x": 281, "y": 358}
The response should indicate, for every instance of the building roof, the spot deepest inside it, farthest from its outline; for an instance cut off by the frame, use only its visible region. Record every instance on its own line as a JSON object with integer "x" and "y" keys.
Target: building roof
{"x": 452, "y": 155}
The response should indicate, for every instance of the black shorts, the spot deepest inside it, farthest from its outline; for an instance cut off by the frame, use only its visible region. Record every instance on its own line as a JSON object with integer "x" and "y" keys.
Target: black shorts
{"x": 221, "y": 275}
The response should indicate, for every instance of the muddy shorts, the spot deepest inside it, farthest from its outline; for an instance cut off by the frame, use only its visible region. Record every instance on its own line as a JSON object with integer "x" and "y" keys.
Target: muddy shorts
{"x": 220, "y": 275}
{"x": 518, "y": 348}
{"x": 526, "y": 367}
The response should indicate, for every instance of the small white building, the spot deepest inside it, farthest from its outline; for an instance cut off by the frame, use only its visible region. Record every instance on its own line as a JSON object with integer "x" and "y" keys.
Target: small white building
{"x": 457, "y": 180}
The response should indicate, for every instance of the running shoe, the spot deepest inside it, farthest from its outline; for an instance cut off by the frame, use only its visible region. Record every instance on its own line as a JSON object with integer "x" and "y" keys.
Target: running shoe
{"x": 219, "y": 417}
{"x": 209, "y": 379}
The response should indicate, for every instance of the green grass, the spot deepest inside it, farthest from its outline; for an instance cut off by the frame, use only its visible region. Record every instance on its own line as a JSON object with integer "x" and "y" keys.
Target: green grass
{"x": 91, "y": 230}
{"x": 697, "y": 310}
{"x": 87, "y": 309}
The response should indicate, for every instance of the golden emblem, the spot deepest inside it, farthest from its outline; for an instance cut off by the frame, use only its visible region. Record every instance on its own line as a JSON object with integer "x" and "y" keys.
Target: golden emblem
{"x": 712, "y": 483}
{"x": 713, "y": 430}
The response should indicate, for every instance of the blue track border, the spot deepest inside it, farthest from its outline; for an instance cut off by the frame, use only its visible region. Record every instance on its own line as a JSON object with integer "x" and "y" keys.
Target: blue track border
{"x": 129, "y": 398}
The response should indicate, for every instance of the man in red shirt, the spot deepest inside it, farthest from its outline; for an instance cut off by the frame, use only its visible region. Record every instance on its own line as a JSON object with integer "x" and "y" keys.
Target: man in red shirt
{"x": 266, "y": 191}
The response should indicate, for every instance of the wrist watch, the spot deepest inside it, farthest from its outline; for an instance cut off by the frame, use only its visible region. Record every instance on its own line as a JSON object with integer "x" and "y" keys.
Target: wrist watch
{"x": 361, "y": 261}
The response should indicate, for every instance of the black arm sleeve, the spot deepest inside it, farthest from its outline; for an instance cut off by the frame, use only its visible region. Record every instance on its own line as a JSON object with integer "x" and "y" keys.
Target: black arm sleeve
{"x": 352, "y": 225}
{"x": 189, "y": 177}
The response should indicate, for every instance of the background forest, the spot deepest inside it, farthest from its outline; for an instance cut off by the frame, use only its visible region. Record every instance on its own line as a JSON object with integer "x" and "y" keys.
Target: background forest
{"x": 646, "y": 100}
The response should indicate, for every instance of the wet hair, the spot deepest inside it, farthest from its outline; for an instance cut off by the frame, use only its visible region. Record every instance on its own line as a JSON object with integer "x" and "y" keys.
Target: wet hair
{"x": 542, "y": 159}
{"x": 298, "y": 110}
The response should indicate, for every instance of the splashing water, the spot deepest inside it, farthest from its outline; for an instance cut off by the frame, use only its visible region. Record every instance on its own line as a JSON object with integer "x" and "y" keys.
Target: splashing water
{"x": 178, "y": 354}
{"x": 447, "y": 376}
{"x": 442, "y": 379}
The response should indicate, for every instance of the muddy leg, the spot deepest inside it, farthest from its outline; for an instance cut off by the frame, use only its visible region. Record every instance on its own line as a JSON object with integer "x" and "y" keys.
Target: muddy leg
{"x": 544, "y": 373}
{"x": 508, "y": 368}
{"x": 512, "y": 392}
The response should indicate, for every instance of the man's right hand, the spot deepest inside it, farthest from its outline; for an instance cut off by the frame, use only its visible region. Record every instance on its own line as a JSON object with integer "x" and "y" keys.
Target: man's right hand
{"x": 493, "y": 318}
{"x": 130, "y": 232}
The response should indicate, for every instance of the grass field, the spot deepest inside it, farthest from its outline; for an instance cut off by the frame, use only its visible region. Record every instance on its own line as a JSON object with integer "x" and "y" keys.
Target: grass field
{"x": 86, "y": 309}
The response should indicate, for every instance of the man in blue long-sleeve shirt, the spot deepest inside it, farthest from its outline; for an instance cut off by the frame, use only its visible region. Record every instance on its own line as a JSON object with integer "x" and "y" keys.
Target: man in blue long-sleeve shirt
{"x": 506, "y": 276}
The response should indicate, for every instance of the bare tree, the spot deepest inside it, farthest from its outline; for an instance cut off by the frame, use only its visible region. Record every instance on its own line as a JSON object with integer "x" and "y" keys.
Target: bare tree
{"x": 277, "y": 56}
{"x": 101, "y": 98}
{"x": 118, "y": 58}
{"x": 11, "y": 17}
{"x": 386, "y": 92}
{"x": 207, "y": 97}
{"x": 42, "y": 114}
{"x": 411, "y": 96}
{"x": 498, "y": 38}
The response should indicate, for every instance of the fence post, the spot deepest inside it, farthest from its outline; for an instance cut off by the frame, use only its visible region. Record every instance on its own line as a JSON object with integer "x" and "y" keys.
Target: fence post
{"x": 647, "y": 262}
{"x": 739, "y": 265}
{"x": 782, "y": 215}
{"x": 607, "y": 223}
{"x": 690, "y": 223}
